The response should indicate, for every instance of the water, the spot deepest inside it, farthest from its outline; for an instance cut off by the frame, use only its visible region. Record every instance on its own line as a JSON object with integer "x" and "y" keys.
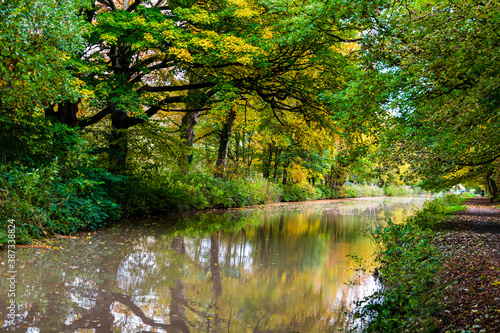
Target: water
{"x": 277, "y": 268}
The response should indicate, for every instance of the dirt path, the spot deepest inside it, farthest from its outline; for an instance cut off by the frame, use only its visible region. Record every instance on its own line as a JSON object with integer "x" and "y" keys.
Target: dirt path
{"x": 481, "y": 215}
{"x": 472, "y": 301}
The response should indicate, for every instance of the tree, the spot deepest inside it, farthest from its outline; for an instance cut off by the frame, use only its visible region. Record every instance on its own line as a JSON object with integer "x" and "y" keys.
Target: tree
{"x": 440, "y": 58}
{"x": 150, "y": 57}
{"x": 140, "y": 56}
{"x": 37, "y": 41}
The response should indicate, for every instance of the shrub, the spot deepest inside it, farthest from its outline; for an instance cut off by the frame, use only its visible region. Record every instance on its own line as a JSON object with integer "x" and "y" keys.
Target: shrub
{"x": 417, "y": 190}
{"x": 410, "y": 299}
{"x": 50, "y": 182}
{"x": 174, "y": 192}
{"x": 350, "y": 190}
{"x": 324, "y": 192}
{"x": 298, "y": 192}
{"x": 263, "y": 191}
{"x": 453, "y": 199}
{"x": 393, "y": 190}
{"x": 43, "y": 202}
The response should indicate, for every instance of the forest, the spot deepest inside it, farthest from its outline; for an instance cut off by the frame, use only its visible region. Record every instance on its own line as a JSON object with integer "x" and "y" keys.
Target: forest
{"x": 115, "y": 108}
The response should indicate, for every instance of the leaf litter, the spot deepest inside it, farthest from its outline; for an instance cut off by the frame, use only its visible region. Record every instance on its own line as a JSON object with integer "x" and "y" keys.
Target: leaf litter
{"x": 471, "y": 241}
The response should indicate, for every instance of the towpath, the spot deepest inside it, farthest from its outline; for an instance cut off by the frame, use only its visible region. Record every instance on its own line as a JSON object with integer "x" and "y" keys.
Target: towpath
{"x": 472, "y": 299}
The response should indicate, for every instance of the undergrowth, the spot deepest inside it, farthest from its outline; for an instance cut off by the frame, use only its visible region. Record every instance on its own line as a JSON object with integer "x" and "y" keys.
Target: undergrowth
{"x": 409, "y": 264}
{"x": 50, "y": 182}
{"x": 44, "y": 201}
{"x": 350, "y": 190}
{"x": 176, "y": 192}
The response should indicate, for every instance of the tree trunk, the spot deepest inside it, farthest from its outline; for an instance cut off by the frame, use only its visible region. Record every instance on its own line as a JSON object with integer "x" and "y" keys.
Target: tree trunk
{"x": 177, "y": 290}
{"x": 249, "y": 153}
{"x": 189, "y": 121}
{"x": 276, "y": 163}
{"x": 329, "y": 178}
{"x": 492, "y": 187}
{"x": 216, "y": 279}
{"x": 237, "y": 150}
{"x": 266, "y": 161}
{"x": 195, "y": 101}
{"x": 118, "y": 144}
{"x": 66, "y": 113}
{"x": 225, "y": 135}
{"x": 285, "y": 175}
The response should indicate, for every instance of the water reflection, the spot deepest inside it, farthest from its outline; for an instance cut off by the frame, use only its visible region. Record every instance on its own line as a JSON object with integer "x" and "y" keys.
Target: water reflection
{"x": 280, "y": 268}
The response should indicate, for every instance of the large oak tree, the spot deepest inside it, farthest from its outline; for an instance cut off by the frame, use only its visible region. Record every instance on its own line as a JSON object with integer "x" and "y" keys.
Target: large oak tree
{"x": 144, "y": 58}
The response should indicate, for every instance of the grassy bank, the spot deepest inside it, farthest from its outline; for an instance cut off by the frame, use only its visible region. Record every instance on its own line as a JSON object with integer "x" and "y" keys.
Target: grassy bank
{"x": 410, "y": 264}
{"x": 55, "y": 200}
{"x": 65, "y": 196}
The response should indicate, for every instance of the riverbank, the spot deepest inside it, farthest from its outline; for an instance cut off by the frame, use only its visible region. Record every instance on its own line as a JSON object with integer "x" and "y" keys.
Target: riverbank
{"x": 54, "y": 201}
{"x": 441, "y": 270}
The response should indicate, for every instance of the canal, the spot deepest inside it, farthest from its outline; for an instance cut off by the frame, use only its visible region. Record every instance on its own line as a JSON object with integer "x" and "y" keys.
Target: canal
{"x": 275, "y": 268}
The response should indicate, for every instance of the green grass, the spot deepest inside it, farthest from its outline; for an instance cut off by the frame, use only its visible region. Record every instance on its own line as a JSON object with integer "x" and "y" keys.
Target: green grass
{"x": 451, "y": 209}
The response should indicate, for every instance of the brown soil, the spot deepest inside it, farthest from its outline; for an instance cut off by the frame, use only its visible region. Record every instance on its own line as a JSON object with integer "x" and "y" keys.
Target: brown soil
{"x": 472, "y": 272}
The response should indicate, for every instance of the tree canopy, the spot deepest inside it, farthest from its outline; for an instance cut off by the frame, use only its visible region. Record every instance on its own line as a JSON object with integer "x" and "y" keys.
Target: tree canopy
{"x": 37, "y": 41}
{"x": 440, "y": 59}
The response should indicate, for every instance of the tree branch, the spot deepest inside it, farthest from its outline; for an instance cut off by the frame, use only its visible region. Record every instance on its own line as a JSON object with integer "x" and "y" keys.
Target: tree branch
{"x": 88, "y": 320}
{"x": 108, "y": 3}
{"x": 95, "y": 118}
{"x": 128, "y": 121}
{"x": 343, "y": 40}
{"x": 238, "y": 64}
{"x": 133, "y": 6}
{"x": 208, "y": 134}
{"x": 176, "y": 88}
{"x": 185, "y": 110}
{"x": 472, "y": 164}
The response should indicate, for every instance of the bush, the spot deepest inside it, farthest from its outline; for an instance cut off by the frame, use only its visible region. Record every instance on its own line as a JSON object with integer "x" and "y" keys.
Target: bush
{"x": 418, "y": 190}
{"x": 409, "y": 301}
{"x": 410, "y": 297}
{"x": 324, "y": 192}
{"x": 50, "y": 182}
{"x": 452, "y": 199}
{"x": 175, "y": 192}
{"x": 350, "y": 190}
{"x": 298, "y": 192}
{"x": 43, "y": 202}
{"x": 393, "y": 190}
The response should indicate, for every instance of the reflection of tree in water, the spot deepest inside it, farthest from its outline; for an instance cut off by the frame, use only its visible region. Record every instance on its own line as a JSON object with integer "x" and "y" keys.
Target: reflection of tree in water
{"x": 277, "y": 275}
{"x": 101, "y": 319}
{"x": 177, "y": 292}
